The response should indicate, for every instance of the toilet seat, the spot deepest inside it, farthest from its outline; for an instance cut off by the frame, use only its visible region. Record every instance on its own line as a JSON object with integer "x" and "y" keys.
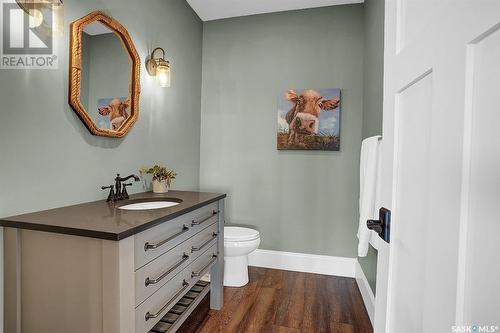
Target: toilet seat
{"x": 239, "y": 234}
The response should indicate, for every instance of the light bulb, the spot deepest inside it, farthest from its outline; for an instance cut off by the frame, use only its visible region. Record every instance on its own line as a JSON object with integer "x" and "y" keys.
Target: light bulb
{"x": 163, "y": 76}
{"x": 35, "y": 18}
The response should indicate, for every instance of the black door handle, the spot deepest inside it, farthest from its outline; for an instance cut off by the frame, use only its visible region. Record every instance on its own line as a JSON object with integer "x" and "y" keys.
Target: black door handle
{"x": 375, "y": 225}
{"x": 382, "y": 226}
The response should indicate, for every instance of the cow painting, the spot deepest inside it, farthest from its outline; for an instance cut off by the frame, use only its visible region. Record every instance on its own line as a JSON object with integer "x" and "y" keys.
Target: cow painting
{"x": 309, "y": 119}
{"x": 113, "y": 112}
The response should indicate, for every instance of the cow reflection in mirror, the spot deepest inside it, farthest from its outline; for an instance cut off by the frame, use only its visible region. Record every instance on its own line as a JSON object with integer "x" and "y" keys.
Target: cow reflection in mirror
{"x": 113, "y": 112}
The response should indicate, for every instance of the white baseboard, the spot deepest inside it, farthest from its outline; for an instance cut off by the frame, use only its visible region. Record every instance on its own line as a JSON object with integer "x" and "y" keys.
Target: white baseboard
{"x": 301, "y": 262}
{"x": 366, "y": 291}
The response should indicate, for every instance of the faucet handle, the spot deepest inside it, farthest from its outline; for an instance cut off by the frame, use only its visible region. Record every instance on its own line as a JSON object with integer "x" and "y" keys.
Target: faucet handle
{"x": 124, "y": 191}
{"x": 111, "y": 196}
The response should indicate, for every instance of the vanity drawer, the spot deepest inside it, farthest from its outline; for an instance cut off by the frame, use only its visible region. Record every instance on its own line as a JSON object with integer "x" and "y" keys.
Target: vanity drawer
{"x": 154, "y": 275}
{"x": 203, "y": 263}
{"x": 154, "y": 308}
{"x": 153, "y": 242}
{"x": 203, "y": 240}
{"x": 162, "y": 269}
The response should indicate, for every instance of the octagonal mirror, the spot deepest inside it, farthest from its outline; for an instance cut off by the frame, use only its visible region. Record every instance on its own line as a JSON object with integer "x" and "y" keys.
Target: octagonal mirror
{"x": 104, "y": 75}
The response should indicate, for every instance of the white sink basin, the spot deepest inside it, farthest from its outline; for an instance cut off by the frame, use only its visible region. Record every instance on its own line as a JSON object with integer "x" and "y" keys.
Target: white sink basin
{"x": 149, "y": 205}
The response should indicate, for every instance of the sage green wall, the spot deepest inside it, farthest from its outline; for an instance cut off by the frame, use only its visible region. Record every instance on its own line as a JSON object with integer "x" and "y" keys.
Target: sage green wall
{"x": 373, "y": 67}
{"x": 373, "y": 98}
{"x": 369, "y": 266}
{"x": 301, "y": 201}
{"x": 107, "y": 77}
{"x": 85, "y": 72}
{"x": 48, "y": 158}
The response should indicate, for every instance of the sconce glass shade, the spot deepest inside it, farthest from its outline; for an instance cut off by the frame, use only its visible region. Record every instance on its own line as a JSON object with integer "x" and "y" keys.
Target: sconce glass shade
{"x": 35, "y": 18}
{"x": 157, "y": 66}
{"x": 58, "y": 23}
{"x": 37, "y": 9}
{"x": 163, "y": 74}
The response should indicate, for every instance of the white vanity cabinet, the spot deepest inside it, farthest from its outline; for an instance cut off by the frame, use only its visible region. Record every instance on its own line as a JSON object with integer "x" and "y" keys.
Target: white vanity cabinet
{"x": 55, "y": 282}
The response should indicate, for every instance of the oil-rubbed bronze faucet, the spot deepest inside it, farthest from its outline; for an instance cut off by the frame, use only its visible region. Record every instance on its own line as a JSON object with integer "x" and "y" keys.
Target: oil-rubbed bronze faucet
{"x": 119, "y": 192}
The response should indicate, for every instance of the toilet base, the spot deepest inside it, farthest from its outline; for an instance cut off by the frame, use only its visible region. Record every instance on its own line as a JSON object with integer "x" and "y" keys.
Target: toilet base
{"x": 236, "y": 271}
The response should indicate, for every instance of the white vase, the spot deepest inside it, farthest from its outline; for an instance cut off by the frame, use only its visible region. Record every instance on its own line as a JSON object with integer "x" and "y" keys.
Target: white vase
{"x": 160, "y": 186}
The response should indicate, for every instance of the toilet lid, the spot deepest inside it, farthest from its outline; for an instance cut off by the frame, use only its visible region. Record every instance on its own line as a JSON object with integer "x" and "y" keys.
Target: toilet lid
{"x": 240, "y": 234}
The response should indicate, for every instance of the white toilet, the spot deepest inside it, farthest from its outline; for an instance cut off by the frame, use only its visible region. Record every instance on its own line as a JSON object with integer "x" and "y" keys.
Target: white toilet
{"x": 238, "y": 244}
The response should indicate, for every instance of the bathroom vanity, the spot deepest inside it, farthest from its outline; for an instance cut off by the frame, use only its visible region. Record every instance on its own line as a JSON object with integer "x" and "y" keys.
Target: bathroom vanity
{"x": 96, "y": 267}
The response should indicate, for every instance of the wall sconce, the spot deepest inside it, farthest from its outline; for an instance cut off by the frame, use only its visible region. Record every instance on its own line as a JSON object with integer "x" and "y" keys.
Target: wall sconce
{"x": 159, "y": 67}
{"x": 37, "y": 8}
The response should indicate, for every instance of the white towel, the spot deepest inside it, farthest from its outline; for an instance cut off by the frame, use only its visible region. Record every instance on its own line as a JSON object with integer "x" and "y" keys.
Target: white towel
{"x": 368, "y": 192}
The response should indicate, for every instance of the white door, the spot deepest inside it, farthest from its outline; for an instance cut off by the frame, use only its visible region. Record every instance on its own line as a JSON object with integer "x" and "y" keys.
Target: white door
{"x": 441, "y": 167}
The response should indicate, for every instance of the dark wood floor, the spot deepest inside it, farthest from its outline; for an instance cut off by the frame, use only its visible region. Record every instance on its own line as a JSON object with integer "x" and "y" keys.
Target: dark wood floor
{"x": 281, "y": 301}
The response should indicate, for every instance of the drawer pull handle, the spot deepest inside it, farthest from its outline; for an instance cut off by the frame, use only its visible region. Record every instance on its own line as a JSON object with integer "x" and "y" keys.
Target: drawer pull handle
{"x": 193, "y": 222}
{"x": 201, "y": 271}
{"x": 155, "y": 315}
{"x": 149, "y": 246}
{"x": 198, "y": 248}
{"x": 170, "y": 270}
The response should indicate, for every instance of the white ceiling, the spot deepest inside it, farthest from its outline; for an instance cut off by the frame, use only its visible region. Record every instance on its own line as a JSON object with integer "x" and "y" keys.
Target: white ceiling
{"x": 209, "y": 10}
{"x": 96, "y": 28}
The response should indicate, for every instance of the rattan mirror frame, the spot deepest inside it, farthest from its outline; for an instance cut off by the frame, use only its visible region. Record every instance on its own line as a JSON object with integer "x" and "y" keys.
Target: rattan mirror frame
{"x": 75, "y": 63}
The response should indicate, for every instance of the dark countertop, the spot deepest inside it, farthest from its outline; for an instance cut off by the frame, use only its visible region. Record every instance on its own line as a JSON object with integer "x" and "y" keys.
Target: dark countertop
{"x": 99, "y": 219}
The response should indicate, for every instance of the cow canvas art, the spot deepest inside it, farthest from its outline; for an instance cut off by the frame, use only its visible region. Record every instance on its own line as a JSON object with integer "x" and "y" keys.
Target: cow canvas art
{"x": 112, "y": 112}
{"x": 309, "y": 119}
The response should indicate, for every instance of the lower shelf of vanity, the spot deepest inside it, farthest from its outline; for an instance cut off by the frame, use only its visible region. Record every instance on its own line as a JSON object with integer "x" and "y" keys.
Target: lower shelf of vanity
{"x": 180, "y": 311}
